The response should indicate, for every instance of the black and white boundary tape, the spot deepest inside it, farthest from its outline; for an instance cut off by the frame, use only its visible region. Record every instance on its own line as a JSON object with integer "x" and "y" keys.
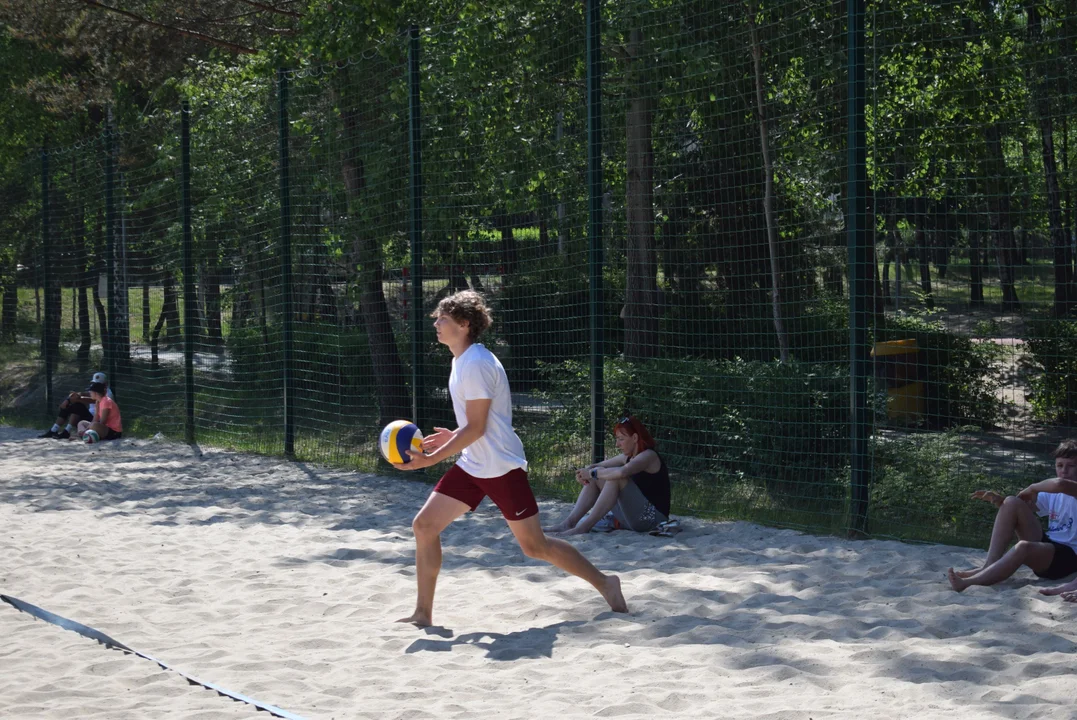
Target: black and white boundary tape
{"x": 109, "y": 642}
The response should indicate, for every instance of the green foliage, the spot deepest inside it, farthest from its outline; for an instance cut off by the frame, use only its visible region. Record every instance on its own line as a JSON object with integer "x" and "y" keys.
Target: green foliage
{"x": 962, "y": 383}
{"x": 921, "y": 488}
{"x": 330, "y": 363}
{"x": 782, "y": 429}
{"x": 1053, "y": 345}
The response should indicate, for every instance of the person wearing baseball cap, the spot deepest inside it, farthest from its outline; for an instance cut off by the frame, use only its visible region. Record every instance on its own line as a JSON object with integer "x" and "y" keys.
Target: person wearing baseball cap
{"x": 106, "y": 423}
{"x": 75, "y": 408}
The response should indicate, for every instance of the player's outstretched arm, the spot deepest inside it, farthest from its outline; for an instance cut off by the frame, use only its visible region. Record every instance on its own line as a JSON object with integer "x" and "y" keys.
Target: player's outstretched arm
{"x": 988, "y": 496}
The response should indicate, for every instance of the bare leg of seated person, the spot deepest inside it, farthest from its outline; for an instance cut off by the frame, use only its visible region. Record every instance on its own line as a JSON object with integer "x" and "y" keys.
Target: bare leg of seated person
{"x": 607, "y": 498}
{"x": 1036, "y": 555}
{"x": 585, "y": 501}
{"x": 1015, "y": 516}
{"x": 1069, "y": 589}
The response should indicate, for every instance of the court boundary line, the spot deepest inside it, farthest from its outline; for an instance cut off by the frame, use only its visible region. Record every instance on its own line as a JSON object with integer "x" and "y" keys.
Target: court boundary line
{"x": 113, "y": 644}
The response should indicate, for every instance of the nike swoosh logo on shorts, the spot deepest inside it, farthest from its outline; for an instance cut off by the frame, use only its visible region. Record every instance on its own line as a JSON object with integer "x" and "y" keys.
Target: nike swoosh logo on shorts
{"x": 521, "y": 512}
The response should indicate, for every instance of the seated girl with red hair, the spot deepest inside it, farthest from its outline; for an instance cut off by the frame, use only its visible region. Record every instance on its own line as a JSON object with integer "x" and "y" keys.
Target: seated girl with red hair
{"x": 634, "y": 485}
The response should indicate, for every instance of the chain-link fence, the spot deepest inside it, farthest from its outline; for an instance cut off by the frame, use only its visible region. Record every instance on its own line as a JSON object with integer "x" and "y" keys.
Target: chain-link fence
{"x": 826, "y": 256}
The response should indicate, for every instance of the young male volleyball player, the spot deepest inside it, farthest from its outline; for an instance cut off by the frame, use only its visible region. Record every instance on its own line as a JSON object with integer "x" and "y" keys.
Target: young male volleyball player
{"x": 491, "y": 462}
{"x": 1051, "y": 554}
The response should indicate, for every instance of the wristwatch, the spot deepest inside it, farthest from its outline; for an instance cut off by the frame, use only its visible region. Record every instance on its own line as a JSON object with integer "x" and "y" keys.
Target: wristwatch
{"x": 594, "y": 473}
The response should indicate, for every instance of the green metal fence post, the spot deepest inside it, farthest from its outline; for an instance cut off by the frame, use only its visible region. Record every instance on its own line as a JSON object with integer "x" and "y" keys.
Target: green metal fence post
{"x": 595, "y": 232}
{"x": 860, "y": 258}
{"x": 46, "y": 259}
{"x": 416, "y": 228}
{"x": 110, "y": 254}
{"x": 189, "y": 299}
{"x": 286, "y": 264}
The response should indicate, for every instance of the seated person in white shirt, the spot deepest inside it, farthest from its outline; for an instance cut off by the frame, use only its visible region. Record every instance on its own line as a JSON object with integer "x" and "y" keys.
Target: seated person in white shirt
{"x": 1051, "y": 553}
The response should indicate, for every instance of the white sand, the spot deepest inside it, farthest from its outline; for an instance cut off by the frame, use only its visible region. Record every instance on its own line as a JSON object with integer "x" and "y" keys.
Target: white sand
{"x": 280, "y": 581}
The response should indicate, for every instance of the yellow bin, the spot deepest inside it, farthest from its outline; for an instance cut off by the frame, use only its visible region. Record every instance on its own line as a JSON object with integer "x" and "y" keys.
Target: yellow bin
{"x": 898, "y": 364}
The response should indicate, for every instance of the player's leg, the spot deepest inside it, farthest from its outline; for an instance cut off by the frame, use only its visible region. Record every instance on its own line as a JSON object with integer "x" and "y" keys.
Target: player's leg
{"x": 607, "y": 498}
{"x": 635, "y": 512}
{"x": 585, "y": 501}
{"x": 62, "y": 416}
{"x": 100, "y": 428}
{"x": 1064, "y": 590}
{"x": 564, "y": 555}
{"x": 435, "y": 516}
{"x": 1015, "y": 516}
{"x": 1037, "y": 555}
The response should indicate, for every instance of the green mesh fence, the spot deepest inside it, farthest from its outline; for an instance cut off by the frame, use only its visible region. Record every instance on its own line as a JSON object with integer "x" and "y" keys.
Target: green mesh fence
{"x": 704, "y": 286}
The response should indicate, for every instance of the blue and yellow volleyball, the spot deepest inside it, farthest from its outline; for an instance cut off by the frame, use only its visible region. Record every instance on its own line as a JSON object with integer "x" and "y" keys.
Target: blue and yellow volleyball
{"x": 397, "y": 438}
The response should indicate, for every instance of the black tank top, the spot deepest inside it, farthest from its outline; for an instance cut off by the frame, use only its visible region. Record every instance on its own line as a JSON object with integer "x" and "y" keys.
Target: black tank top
{"x": 655, "y": 486}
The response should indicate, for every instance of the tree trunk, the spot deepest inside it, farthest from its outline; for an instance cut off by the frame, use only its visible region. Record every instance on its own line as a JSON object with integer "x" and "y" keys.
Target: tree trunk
{"x": 642, "y": 338}
{"x": 510, "y": 256}
{"x": 9, "y": 313}
{"x": 170, "y": 310}
{"x": 888, "y": 253}
{"x": 214, "y": 335}
{"x": 1037, "y": 81}
{"x": 146, "y": 307}
{"x": 976, "y": 276}
{"x": 923, "y": 254}
{"x": 83, "y": 277}
{"x": 393, "y": 400}
{"x": 768, "y": 192}
{"x": 1067, "y": 223}
{"x": 1000, "y": 217}
{"x": 155, "y": 339}
{"x": 102, "y": 316}
{"x": 457, "y": 281}
{"x": 510, "y": 294}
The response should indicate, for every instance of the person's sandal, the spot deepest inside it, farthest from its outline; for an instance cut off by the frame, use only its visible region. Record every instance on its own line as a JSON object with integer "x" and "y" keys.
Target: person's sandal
{"x": 608, "y": 523}
{"x": 667, "y": 529}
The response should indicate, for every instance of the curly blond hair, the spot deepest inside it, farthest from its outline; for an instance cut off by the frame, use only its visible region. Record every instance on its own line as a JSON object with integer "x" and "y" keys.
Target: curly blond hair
{"x": 466, "y": 305}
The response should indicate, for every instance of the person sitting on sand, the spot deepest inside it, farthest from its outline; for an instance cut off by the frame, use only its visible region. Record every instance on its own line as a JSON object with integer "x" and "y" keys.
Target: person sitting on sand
{"x": 75, "y": 408}
{"x": 1049, "y": 554}
{"x": 106, "y": 421}
{"x": 634, "y": 485}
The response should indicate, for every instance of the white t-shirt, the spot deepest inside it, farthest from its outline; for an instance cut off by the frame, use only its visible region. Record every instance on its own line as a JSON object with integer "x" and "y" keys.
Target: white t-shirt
{"x": 93, "y": 406}
{"x": 1061, "y": 511}
{"x": 478, "y": 375}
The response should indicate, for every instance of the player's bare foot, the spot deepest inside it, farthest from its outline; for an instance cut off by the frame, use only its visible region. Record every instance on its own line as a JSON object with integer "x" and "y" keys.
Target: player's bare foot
{"x": 1062, "y": 590}
{"x": 418, "y": 619}
{"x": 613, "y": 595}
{"x": 956, "y": 582}
{"x": 555, "y": 529}
{"x": 966, "y": 573}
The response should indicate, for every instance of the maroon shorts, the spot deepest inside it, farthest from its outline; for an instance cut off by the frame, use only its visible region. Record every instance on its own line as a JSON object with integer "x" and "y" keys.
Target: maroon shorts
{"x": 510, "y": 492}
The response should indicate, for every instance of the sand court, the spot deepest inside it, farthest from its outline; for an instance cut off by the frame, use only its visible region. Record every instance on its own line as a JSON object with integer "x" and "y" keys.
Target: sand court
{"x": 281, "y": 580}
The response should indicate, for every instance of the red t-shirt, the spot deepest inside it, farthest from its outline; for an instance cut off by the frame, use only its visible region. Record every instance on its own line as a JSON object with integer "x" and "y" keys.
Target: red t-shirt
{"x": 113, "y": 422}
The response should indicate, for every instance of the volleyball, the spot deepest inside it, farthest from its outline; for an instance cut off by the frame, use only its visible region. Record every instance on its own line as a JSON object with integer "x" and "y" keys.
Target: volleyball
{"x": 90, "y": 437}
{"x": 397, "y": 438}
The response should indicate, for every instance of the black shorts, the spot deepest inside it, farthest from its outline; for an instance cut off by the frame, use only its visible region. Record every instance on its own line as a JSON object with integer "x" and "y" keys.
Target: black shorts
{"x": 78, "y": 411}
{"x": 111, "y": 434}
{"x": 1062, "y": 564}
